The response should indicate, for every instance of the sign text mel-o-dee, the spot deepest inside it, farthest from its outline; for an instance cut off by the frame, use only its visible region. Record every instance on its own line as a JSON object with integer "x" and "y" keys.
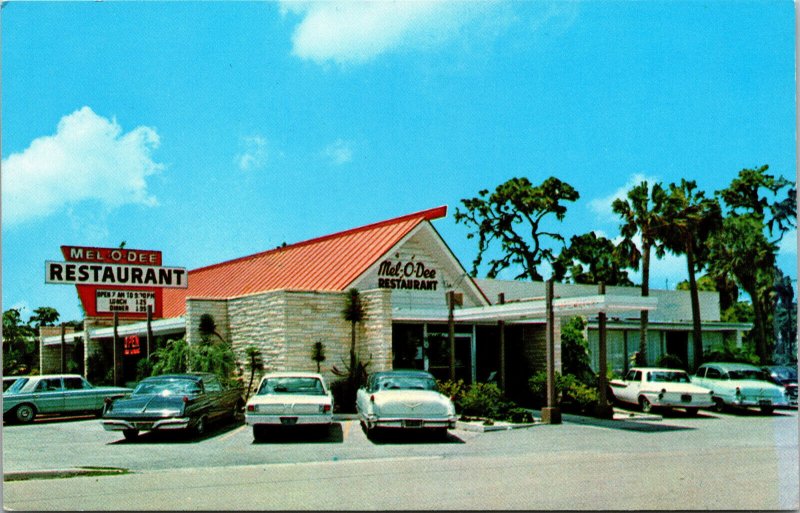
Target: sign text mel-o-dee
{"x": 406, "y": 276}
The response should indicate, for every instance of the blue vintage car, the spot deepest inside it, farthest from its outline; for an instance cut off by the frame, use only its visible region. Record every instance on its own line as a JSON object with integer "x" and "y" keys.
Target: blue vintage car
{"x": 174, "y": 402}
{"x": 740, "y": 385}
{"x": 29, "y": 396}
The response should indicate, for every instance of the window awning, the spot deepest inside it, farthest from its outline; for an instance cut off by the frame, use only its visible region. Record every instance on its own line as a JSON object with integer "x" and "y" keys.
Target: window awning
{"x": 562, "y": 307}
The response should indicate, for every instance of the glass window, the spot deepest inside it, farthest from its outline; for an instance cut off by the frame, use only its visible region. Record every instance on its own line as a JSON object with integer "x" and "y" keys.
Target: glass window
{"x": 167, "y": 387}
{"x": 712, "y": 373}
{"x": 74, "y": 384}
{"x": 667, "y": 377}
{"x": 405, "y": 383}
{"x": 18, "y": 384}
{"x": 291, "y": 385}
{"x": 631, "y": 375}
{"x": 637, "y": 376}
{"x": 212, "y": 384}
{"x": 700, "y": 372}
{"x": 49, "y": 385}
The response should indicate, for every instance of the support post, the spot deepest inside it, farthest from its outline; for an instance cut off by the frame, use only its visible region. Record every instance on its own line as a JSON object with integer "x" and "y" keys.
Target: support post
{"x": 603, "y": 410}
{"x": 116, "y": 352}
{"x": 149, "y": 330}
{"x": 551, "y": 414}
{"x": 451, "y": 333}
{"x": 63, "y": 346}
{"x": 501, "y": 325}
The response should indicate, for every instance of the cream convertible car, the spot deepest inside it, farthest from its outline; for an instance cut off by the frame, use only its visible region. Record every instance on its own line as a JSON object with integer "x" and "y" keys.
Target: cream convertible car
{"x": 404, "y": 399}
{"x": 652, "y": 387}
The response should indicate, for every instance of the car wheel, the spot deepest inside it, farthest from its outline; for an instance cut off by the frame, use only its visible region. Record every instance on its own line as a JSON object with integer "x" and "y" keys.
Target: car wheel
{"x": 238, "y": 412}
{"x": 130, "y": 434}
{"x": 767, "y": 410}
{"x": 25, "y": 413}
{"x": 645, "y": 405}
{"x": 200, "y": 426}
{"x": 691, "y": 412}
{"x": 719, "y": 405}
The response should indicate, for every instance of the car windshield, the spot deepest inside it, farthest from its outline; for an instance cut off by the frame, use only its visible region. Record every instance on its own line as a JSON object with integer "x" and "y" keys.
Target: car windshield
{"x": 17, "y": 386}
{"x": 167, "y": 387}
{"x": 753, "y": 374}
{"x": 405, "y": 383}
{"x": 668, "y": 377}
{"x": 291, "y": 385}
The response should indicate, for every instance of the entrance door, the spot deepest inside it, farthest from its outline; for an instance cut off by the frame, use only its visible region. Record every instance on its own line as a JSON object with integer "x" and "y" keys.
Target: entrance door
{"x": 678, "y": 345}
{"x": 438, "y": 356}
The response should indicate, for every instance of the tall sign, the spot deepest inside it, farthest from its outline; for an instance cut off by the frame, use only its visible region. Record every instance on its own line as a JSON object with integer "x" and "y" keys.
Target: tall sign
{"x": 116, "y": 280}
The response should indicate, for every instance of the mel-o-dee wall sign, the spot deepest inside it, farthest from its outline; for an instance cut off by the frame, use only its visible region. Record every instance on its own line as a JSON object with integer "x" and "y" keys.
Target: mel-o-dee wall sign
{"x": 406, "y": 275}
{"x": 115, "y": 280}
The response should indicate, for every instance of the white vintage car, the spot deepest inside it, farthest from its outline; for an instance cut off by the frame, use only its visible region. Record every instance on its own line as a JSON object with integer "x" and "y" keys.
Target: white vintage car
{"x": 741, "y": 385}
{"x": 289, "y": 399}
{"x": 651, "y": 387}
{"x": 404, "y": 399}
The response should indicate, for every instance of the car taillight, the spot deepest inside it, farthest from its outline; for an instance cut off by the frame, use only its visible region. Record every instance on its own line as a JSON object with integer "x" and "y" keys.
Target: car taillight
{"x": 185, "y": 399}
{"x": 251, "y": 407}
{"x": 372, "y": 398}
{"x": 326, "y": 408}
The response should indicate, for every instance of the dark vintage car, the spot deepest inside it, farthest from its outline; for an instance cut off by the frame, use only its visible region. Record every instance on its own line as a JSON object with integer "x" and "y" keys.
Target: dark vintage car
{"x": 174, "y": 402}
{"x": 61, "y": 394}
{"x": 786, "y": 377}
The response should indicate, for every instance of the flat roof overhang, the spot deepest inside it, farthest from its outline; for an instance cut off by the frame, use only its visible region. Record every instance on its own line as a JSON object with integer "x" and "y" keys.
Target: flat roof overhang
{"x": 159, "y": 327}
{"x": 562, "y": 307}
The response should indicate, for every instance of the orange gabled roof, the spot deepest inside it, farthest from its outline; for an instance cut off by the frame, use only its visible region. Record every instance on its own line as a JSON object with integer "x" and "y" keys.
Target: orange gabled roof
{"x": 331, "y": 262}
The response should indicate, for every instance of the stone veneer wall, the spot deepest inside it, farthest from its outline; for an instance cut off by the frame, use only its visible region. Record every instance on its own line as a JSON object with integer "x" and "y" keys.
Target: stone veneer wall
{"x": 50, "y": 356}
{"x": 216, "y": 308}
{"x": 285, "y": 324}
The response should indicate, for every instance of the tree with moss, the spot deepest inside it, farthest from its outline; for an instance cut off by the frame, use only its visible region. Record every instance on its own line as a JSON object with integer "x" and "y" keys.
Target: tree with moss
{"x": 760, "y": 209}
{"x": 514, "y": 217}
{"x": 590, "y": 259}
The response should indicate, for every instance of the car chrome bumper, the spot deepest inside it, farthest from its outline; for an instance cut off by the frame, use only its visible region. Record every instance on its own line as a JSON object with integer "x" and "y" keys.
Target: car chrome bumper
{"x": 410, "y": 422}
{"x": 252, "y": 419}
{"x": 146, "y": 425}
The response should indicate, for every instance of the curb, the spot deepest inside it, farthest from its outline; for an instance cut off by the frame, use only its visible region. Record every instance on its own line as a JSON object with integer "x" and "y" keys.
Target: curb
{"x": 63, "y": 473}
{"x": 497, "y": 426}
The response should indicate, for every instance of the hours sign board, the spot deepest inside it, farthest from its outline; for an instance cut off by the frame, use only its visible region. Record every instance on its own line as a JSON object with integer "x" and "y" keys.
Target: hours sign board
{"x": 125, "y": 301}
{"x": 116, "y": 280}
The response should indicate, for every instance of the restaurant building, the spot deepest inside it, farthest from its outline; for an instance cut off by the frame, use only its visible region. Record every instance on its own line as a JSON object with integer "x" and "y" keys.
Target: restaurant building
{"x": 285, "y": 300}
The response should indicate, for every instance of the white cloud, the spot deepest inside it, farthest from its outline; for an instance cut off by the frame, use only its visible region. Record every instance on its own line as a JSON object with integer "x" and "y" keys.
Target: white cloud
{"x": 254, "y": 153}
{"x": 602, "y": 206}
{"x": 88, "y": 158}
{"x": 339, "y": 152}
{"x": 348, "y": 32}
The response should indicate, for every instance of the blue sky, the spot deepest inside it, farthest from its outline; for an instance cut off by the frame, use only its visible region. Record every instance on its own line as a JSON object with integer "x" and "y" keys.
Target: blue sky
{"x": 213, "y": 130}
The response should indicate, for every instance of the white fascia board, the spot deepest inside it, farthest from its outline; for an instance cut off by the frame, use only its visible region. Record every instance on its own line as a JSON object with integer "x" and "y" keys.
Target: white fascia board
{"x": 537, "y": 309}
{"x": 159, "y": 327}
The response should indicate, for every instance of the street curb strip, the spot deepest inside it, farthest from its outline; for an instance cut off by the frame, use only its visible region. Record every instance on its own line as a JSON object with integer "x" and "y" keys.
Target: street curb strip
{"x": 63, "y": 473}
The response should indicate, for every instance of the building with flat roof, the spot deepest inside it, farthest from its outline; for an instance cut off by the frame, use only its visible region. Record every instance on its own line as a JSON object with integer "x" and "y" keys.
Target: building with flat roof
{"x": 286, "y": 299}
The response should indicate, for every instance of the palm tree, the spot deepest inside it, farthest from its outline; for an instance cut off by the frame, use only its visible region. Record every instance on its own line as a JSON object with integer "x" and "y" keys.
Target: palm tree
{"x": 254, "y": 362}
{"x": 641, "y": 213}
{"x": 689, "y": 218}
{"x": 353, "y": 312}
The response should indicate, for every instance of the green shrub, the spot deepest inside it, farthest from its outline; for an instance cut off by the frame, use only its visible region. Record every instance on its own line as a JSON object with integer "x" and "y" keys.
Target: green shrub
{"x": 518, "y": 415}
{"x": 571, "y": 394}
{"x": 670, "y": 361}
{"x": 482, "y": 400}
{"x": 452, "y": 389}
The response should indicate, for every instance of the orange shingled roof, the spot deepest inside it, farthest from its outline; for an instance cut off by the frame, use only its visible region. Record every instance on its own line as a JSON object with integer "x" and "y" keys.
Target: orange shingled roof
{"x": 331, "y": 262}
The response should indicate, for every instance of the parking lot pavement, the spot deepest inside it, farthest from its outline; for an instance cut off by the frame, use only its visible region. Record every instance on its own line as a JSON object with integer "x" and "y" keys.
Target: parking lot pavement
{"x": 712, "y": 461}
